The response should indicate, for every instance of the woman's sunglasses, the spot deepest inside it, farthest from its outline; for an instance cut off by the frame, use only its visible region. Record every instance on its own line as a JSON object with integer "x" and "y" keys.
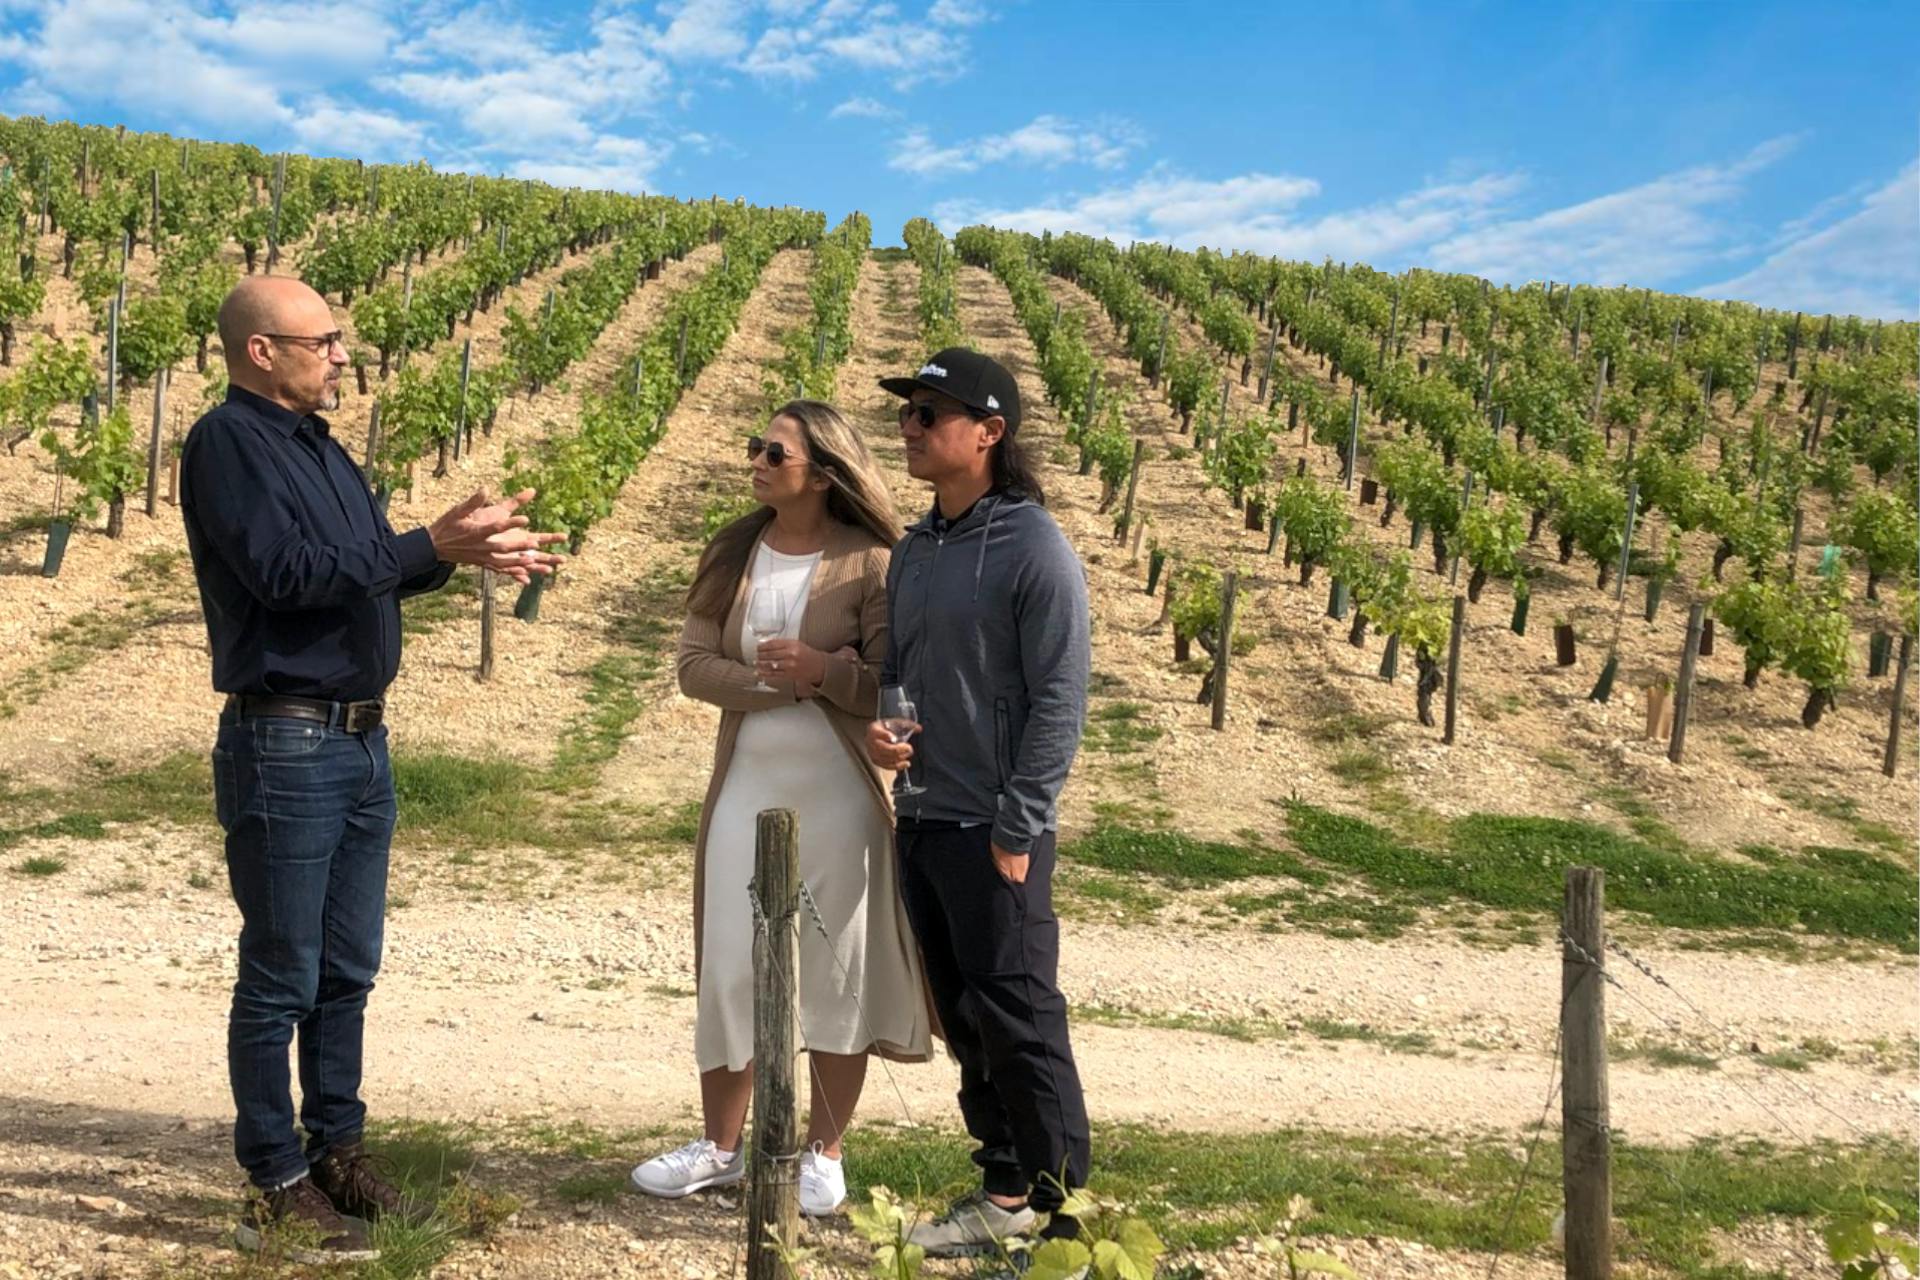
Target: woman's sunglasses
{"x": 777, "y": 453}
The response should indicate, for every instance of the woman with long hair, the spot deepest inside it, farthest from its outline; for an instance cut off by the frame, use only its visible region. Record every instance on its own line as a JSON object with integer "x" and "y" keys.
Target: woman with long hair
{"x": 785, "y": 633}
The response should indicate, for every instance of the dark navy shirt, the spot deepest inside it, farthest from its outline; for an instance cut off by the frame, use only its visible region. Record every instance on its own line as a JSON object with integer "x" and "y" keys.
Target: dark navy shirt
{"x": 300, "y": 574}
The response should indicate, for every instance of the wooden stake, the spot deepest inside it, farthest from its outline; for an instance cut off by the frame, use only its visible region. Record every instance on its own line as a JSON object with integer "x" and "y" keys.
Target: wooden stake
{"x": 1892, "y": 760}
{"x": 1228, "y": 585}
{"x": 1133, "y": 483}
{"x": 1586, "y": 1174}
{"x": 273, "y": 226}
{"x": 466, "y": 376}
{"x": 1453, "y": 665}
{"x": 1353, "y": 439}
{"x": 1683, "y": 687}
{"x": 486, "y": 625}
{"x": 153, "y": 442}
{"x": 113, "y": 352}
{"x": 1266, "y": 373}
{"x": 773, "y": 1194}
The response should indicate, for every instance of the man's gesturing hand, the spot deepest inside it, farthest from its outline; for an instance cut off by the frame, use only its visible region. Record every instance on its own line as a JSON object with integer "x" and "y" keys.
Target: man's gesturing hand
{"x": 493, "y": 537}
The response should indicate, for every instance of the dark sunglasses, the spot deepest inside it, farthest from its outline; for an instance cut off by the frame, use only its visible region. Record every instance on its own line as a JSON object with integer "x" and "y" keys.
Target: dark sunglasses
{"x": 318, "y": 343}
{"x": 928, "y": 414}
{"x": 777, "y": 453}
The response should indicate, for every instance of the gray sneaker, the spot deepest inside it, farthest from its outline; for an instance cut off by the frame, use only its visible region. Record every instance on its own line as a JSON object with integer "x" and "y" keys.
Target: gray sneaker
{"x": 972, "y": 1226}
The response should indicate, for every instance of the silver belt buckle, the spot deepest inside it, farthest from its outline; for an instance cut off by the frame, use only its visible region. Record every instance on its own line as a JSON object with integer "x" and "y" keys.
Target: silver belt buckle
{"x": 362, "y": 716}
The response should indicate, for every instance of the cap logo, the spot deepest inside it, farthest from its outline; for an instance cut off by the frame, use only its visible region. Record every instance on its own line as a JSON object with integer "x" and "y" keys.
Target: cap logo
{"x": 931, "y": 371}
{"x": 992, "y": 403}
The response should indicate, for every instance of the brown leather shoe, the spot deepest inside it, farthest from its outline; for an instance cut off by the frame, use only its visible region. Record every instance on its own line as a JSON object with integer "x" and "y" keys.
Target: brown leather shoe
{"x": 299, "y": 1224}
{"x": 361, "y": 1184}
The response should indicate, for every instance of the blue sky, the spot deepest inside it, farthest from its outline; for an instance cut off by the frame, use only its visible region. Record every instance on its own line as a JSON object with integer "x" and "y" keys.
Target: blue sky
{"x": 1763, "y": 151}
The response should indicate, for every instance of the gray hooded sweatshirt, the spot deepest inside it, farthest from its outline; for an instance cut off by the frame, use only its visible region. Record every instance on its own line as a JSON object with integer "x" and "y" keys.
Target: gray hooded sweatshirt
{"x": 989, "y": 628}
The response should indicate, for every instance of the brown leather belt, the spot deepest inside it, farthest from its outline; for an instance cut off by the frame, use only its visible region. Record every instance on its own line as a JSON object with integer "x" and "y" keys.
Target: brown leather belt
{"x": 354, "y": 717}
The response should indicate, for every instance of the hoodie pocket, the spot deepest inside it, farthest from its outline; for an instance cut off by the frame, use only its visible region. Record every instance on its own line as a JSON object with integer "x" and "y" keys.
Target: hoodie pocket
{"x": 1002, "y": 743}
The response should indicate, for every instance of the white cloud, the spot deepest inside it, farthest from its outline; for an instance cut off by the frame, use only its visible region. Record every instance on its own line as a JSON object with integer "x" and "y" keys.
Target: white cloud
{"x": 1864, "y": 265}
{"x": 1047, "y": 141}
{"x": 610, "y": 163}
{"x": 326, "y": 127}
{"x": 149, "y": 56}
{"x": 705, "y": 29}
{"x": 868, "y": 108}
{"x": 957, "y": 13}
{"x": 782, "y": 52}
{"x": 339, "y": 40}
{"x": 1643, "y": 235}
{"x": 540, "y": 96}
{"x": 895, "y": 46}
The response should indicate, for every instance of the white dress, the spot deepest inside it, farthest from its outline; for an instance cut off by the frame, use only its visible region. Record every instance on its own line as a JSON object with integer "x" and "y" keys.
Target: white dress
{"x": 790, "y": 758}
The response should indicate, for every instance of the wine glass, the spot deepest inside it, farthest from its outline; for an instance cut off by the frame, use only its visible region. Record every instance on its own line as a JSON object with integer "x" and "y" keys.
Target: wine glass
{"x": 766, "y": 618}
{"x": 900, "y": 719}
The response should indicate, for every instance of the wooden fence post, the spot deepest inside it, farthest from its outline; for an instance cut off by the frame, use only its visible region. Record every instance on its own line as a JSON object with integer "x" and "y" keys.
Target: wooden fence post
{"x": 773, "y": 1204}
{"x": 1586, "y": 1174}
{"x": 1453, "y": 664}
{"x": 486, "y": 625}
{"x": 1888, "y": 765}
{"x": 1228, "y": 585}
{"x": 1683, "y": 688}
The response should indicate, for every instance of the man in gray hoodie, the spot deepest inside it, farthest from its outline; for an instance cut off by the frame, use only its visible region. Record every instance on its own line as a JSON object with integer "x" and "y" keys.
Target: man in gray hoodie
{"x": 987, "y": 608}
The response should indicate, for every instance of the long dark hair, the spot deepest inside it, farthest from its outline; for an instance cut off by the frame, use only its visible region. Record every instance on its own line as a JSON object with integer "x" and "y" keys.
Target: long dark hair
{"x": 1013, "y": 471}
{"x": 857, "y": 495}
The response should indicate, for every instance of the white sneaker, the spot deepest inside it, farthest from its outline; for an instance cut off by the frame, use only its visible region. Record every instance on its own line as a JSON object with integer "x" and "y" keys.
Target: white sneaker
{"x": 823, "y": 1182}
{"x": 694, "y": 1167}
{"x": 975, "y": 1225}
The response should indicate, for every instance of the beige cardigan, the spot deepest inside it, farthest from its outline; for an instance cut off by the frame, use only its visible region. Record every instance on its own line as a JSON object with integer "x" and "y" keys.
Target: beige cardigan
{"x": 846, "y": 608}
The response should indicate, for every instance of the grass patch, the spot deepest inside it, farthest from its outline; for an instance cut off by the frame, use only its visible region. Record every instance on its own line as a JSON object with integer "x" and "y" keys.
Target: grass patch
{"x": 1180, "y": 859}
{"x": 459, "y": 600}
{"x": 1203, "y": 1191}
{"x": 41, "y": 866}
{"x": 1800, "y": 1057}
{"x": 1364, "y": 1033}
{"x": 1516, "y": 864}
{"x": 1115, "y": 896}
{"x": 1846, "y": 811}
{"x": 639, "y": 631}
{"x": 1361, "y": 765}
{"x": 1117, "y": 727}
{"x": 591, "y": 1188}
{"x": 1658, "y": 1054}
{"x": 1346, "y": 727}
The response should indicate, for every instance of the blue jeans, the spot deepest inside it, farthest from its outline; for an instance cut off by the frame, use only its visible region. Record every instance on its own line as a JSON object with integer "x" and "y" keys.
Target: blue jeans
{"x": 308, "y": 811}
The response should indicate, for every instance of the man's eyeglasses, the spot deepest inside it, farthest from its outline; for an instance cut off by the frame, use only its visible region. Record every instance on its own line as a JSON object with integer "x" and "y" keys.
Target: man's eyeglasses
{"x": 928, "y": 414}
{"x": 777, "y": 453}
{"x": 318, "y": 343}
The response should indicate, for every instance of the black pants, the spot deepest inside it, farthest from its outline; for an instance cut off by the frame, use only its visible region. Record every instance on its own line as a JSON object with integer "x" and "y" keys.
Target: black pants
{"x": 992, "y": 951}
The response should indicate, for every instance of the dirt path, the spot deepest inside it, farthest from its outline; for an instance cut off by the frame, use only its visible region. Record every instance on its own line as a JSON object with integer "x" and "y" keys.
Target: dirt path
{"x": 107, "y": 711}
{"x": 581, "y": 1006}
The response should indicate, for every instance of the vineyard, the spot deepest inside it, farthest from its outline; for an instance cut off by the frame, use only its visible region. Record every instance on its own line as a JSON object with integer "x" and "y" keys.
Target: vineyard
{"x": 1408, "y": 590}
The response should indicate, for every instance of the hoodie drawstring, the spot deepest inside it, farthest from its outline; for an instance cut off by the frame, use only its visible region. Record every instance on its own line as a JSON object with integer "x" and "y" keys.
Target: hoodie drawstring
{"x": 980, "y": 565}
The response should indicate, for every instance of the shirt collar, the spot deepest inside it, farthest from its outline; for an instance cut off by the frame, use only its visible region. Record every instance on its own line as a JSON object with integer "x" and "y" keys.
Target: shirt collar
{"x": 276, "y": 415}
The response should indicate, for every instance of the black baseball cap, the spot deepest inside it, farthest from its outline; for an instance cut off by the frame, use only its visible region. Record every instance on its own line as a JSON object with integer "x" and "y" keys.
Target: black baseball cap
{"x": 976, "y": 381}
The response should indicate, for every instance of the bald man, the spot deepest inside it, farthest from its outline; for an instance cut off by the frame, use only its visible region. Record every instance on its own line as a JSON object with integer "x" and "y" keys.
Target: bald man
{"x": 301, "y": 579}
